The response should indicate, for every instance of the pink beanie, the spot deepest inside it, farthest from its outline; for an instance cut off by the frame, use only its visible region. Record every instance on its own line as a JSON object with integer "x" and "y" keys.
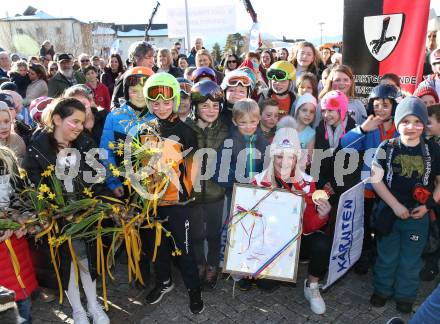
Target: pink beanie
{"x": 335, "y": 100}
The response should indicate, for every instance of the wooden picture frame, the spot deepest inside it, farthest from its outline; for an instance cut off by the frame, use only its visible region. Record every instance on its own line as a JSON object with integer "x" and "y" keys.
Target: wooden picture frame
{"x": 264, "y": 233}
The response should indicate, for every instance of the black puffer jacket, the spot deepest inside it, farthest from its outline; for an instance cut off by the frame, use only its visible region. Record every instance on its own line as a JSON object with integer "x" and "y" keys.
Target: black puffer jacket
{"x": 40, "y": 154}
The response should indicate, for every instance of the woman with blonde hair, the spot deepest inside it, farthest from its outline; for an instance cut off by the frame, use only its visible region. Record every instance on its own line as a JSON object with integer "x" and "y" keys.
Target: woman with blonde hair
{"x": 341, "y": 78}
{"x": 204, "y": 59}
{"x": 165, "y": 63}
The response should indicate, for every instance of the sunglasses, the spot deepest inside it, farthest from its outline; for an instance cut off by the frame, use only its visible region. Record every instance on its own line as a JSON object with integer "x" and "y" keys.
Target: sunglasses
{"x": 235, "y": 81}
{"x": 232, "y": 61}
{"x": 134, "y": 80}
{"x": 277, "y": 75}
{"x": 185, "y": 88}
{"x": 164, "y": 92}
{"x": 83, "y": 61}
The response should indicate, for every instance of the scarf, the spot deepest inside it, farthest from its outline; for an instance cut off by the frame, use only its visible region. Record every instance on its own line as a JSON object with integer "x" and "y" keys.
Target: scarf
{"x": 333, "y": 136}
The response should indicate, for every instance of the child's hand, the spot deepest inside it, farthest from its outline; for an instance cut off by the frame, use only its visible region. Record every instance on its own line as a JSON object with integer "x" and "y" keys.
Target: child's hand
{"x": 419, "y": 212}
{"x": 323, "y": 207}
{"x": 371, "y": 123}
{"x": 6, "y": 235}
{"x": 401, "y": 211}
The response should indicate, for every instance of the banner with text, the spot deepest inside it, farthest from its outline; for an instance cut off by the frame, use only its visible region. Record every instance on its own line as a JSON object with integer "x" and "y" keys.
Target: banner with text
{"x": 349, "y": 233}
{"x": 385, "y": 36}
{"x": 203, "y": 21}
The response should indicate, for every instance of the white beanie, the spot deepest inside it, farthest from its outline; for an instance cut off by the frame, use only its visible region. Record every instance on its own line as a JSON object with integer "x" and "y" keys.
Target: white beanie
{"x": 286, "y": 138}
{"x": 305, "y": 98}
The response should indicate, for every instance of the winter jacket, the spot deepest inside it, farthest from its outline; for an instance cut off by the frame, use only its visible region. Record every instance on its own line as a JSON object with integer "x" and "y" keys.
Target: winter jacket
{"x": 362, "y": 142}
{"x": 209, "y": 138}
{"x": 357, "y": 111}
{"x": 118, "y": 123}
{"x": 8, "y": 277}
{"x": 109, "y": 79}
{"x": 36, "y": 89}
{"x": 39, "y": 156}
{"x": 44, "y": 51}
{"x": 80, "y": 76}
{"x": 327, "y": 168}
{"x": 20, "y": 81}
{"x": 57, "y": 84}
{"x": 312, "y": 222}
{"x": 251, "y": 163}
{"x": 100, "y": 95}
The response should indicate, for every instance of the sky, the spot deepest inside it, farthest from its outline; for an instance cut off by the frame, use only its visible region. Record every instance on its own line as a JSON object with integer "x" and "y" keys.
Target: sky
{"x": 293, "y": 19}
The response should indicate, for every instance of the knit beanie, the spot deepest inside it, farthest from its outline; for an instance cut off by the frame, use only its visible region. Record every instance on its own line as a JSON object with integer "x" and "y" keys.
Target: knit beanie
{"x": 411, "y": 106}
{"x": 305, "y": 98}
{"x": 426, "y": 90}
{"x": 286, "y": 138}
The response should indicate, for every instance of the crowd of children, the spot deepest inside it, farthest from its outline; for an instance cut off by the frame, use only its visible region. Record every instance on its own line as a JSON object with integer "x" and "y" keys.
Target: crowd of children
{"x": 264, "y": 125}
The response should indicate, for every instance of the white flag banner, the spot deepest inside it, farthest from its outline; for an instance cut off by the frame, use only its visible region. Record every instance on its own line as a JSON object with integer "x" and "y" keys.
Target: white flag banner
{"x": 254, "y": 39}
{"x": 203, "y": 21}
{"x": 349, "y": 233}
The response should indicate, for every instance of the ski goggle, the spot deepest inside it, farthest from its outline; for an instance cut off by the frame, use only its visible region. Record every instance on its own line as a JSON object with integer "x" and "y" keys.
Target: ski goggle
{"x": 237, "y": 80}
{"x": 160, "y": 91}
{"x": 185, "y": 88}
{"x": 213, "y": 96}
{"x": 134, "y": 80}
{"x": 277, "y": 75}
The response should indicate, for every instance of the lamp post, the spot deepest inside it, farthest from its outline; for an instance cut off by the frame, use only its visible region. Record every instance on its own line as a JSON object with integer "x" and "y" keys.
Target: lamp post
{"x": 321, "y": 24}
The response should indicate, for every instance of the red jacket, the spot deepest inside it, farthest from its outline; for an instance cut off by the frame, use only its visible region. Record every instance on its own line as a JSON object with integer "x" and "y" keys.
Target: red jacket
{"x": 8, "y": 278}
{"x": 312, "y": 222}
{"x": 101, "y": 95}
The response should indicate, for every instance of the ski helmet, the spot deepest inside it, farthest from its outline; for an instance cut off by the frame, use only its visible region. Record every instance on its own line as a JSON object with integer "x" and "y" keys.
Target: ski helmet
{"x": 281, "y": 70}
{"x": 383, "y": 91}
{"x": 134, "y": 76}
{"x": 162, "y": 85}
{"x": 203, "y": 72}
{"x": 204, "y": 90}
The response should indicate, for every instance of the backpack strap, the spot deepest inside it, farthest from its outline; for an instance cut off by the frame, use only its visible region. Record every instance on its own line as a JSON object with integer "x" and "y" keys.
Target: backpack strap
{"x": 391, "y": 145}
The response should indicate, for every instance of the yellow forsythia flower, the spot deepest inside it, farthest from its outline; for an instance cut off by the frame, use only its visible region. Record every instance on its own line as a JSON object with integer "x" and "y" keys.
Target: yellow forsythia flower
{"x": 111, "y": 146}
{"x": 43, "y": 188}
{"x": 168, "y": 234}
{"x": 40, "y": 196}
{"x": 116, "y": 209}
{"x": 173, "y": 253}
{"x": 127, "y": 182}
{"x": 51, "y": 167}
{"x": 116, "y": 173}
{"x": 87, "y": 192}
{"x": 120, "y": 145}
{"x": 119, "y": 152}
{"x": 51, "y": 195}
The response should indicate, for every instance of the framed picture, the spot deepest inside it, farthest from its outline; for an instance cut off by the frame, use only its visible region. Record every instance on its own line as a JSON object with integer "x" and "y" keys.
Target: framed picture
{"x": 264, "y": 233}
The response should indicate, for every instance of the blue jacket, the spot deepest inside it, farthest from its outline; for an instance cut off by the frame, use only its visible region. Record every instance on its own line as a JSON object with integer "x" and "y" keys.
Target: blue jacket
{"x": 362, "y": 142}
{"x": 252, "y": 165}
{"x": 119, "y": 123}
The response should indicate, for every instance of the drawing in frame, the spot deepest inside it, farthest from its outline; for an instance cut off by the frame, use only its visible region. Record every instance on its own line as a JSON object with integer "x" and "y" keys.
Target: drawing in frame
{"x": 264, "y": 233}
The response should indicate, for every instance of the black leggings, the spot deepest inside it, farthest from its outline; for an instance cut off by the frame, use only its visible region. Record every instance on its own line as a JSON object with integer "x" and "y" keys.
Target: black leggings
{"x": 317, "y": 247}
{"x": 179, "y": 225}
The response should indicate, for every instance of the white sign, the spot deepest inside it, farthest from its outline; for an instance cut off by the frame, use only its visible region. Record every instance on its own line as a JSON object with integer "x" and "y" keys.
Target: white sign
{"x": 349, "y": 233}
{"x": 203, "y": 21}
{"x": 264, "y": 233}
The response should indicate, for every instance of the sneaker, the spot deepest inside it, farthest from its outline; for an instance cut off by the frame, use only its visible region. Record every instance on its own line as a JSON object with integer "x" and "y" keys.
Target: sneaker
{"x": 155, "y": 295}
{"x": 404, "y": 307}
{"x": 98, "y": 314}
{"x": 245, "y": 284}
{"x": 195, "y": 301}
{"x": 211, "y": 277}
{"x": 395, "y": 320}
{"x": 378, "y": 300}
{"x": 80, "y": 317}
{"x": 47, "y": 295}
{"x": 312, "y": 294}
{"x": 429, "y": 272}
